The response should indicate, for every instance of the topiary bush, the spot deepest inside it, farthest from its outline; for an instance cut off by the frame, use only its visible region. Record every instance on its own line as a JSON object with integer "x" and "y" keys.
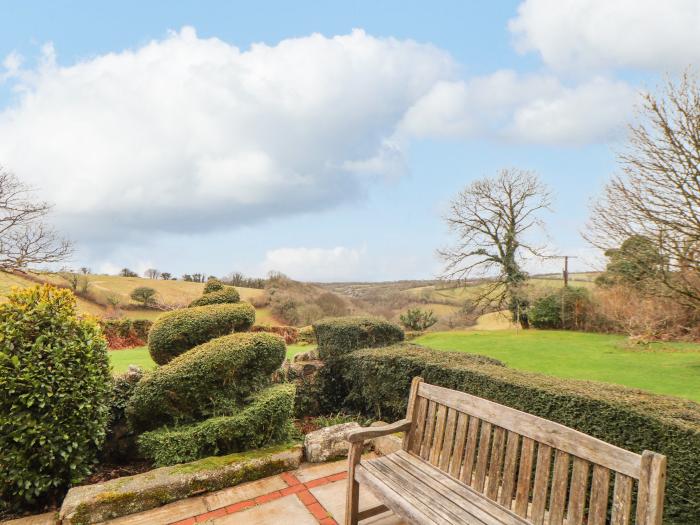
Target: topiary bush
{"x": 266, "y": 419}
{"x": 120, "y": 445}
{"x": 55, "y": 386}
{"x": 339, "y": 335}
{"x": 213, "y": 377}
{"x": 379, "y": 382}
{"x": 226, "y": 294}
{"x": 176, "y": 332}
{"x": 213, "y": 285}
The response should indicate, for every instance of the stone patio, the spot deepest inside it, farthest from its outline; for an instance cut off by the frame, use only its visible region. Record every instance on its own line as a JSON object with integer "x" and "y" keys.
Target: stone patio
{"x": 311, "y": 495}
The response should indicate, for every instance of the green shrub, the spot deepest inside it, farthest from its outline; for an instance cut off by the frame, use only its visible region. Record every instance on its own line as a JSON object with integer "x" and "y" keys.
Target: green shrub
{"x": 209, "y": 378}
{"x": 226, "y": 294}
{"x": 306, "y": 335}
{"x": 566, "y": 308}
{"x": 290, "y": 334}
{"x": 339, "y": 335}
{"x": 176, "y": 332}
{"x": 119, "y": 445}
{"x": 266, "y": 420}
{"x": 213, "y": 285}
{"x": 379, "y": 381}
{"x": 418, "y": 320}
{"x": 55, "y": 386}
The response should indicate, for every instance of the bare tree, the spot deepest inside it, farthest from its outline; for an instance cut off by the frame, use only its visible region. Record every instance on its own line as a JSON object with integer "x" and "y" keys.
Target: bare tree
{"x": 24, "y": 237}
{"x": 152, "y": 273}
{"x": 491, "y": 218}
{"x": 657, "y": 193}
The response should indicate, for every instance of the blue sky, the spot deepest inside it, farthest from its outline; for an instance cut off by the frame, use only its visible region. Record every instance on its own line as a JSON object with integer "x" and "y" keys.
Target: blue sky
{"x": 322, "y": 139}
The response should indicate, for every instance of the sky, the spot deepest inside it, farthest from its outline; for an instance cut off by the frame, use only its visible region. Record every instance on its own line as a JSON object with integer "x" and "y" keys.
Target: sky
{"x": 321, "y": 139}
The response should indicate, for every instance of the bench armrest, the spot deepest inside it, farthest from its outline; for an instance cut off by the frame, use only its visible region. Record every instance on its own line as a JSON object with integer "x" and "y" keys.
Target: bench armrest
{"x": 361, "y": 434}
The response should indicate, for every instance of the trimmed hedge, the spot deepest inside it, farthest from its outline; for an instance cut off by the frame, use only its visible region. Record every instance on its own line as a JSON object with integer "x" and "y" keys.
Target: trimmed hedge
{"x": 214, "y": 376}
{"x": 213, "y": 285}
{"x": 339, "y": 335}
{"x": 227, "y": 294}
{"x": 176, "y": 332}
{"x": 55, "y": 386}
{"x": 379, "y": 381}
{"x": 266, "y": 420}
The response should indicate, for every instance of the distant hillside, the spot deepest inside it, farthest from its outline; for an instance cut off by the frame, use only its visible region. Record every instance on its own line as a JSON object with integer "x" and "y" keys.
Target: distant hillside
{"x": 172, "y": 294}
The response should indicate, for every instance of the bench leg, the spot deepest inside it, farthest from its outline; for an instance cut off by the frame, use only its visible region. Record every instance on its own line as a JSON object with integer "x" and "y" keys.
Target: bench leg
{"x": 353, "y": 492}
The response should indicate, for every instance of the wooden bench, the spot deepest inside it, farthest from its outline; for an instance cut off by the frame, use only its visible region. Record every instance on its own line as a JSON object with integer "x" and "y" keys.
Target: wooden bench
{"x": 468, "y": 460}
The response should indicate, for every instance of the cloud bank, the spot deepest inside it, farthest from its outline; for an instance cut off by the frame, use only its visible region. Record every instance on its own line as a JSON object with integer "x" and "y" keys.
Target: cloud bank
{"x": 189, "y": 135}
{"x": 582, "y": 34}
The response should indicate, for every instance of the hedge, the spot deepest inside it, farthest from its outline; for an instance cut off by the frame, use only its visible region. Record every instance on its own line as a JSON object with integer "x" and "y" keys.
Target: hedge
{"x": 339, "y": 335}
{"x": 379, "y": 380}
{"x": 216, "y": 375}
{"x": 126, "y": 333}
{"x": 266, "y": 420}
{"x": 290, "y": 334}
{"x": 55, "y": 386}
{"x": 177, "y": 331}
{"x": 213, "y": 285}
{"x": 227, "y": 294}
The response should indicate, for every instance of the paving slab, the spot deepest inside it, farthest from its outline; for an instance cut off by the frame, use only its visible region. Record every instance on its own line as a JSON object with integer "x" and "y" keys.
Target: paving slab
{"x": 332, "y": 497}
{"x": 48, "y": 518}
{"x": 309, "y": 471}
{"x": 243, "y": 492}
{"x": 286, "y": 510}
{"x": 166, "y": 514}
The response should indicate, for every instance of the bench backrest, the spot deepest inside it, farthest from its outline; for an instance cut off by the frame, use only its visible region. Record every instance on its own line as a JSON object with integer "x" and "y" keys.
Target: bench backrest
{"x": 543, "y": 471}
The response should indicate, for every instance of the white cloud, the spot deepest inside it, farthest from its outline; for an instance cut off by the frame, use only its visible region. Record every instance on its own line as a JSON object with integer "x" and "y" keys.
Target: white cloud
{"x": 650, "y": 34}
{"x": 316, "y": 264}
{"x": 187, "y": 134}
{"x": 535, "y": 108}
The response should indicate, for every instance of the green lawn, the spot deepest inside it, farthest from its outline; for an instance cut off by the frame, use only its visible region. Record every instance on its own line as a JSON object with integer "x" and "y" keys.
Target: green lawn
{"x": 121, "y": 359}
{"x": 665, "y": 368}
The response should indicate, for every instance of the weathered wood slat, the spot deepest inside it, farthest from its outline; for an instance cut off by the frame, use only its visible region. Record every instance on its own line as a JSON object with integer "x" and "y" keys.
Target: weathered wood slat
{"x": 600, "y": 489}
{"x": 419, "y": 426}
{"x": 429, "y": 429}
{"x": 509, "y": 470}
{"x": 439, "y": 434}
{"x": 482, "y": 456}
{"x": 460, "y": 440}
{"x": 560, "y": 484}
{"x": 542, "y": 430}
{"x": 411, "y": 411}
{"x": 420, "y": 494}
{"x": 394, "y": 500}
{"x": 539, "y": 490}
{"x": 522, "y": 492}
{"x": 650, "y": 495}
{"x": 496, "y": 463}
{"x": 464, "y": 496}
{"x": 448, "y": 439}
{"x": 577, "y": 494}
{"x": 622, "y": 500}
{"x": 470, "y": 451}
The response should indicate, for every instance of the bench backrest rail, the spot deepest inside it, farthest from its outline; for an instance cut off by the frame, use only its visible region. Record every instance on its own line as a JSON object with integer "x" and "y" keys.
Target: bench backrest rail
{"x": 543, "y": 471}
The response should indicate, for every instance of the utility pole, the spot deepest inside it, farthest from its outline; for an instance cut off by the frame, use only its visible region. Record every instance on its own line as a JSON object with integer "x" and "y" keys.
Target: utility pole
{"x": 566, "y": 281}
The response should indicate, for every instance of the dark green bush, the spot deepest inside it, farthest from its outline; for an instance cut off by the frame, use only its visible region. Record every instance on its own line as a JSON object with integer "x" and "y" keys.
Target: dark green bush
{"x": 307, "y": 335}
{"x": 119, "y": 445}
{"x": 211, "y": 377}
{"x": 213, "y": 285}
{"x": 55, "y": 385}
{"x": 178, "y": 331}
{"x": 227, "y": 294}
{"x": 265, "y": 421}
{"x": 565, "y": 308}
{"x": 339, "y": 335}
{"x": 379, "y": 381}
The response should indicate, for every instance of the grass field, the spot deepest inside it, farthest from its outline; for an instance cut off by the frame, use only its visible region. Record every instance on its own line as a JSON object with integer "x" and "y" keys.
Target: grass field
{"x": 121, "y": 359}
{"x": 664, "y": 368}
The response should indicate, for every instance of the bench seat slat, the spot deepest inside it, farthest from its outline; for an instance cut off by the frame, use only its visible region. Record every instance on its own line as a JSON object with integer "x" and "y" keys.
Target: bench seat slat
{"x": 522, "y": 493}
{"x": 541, "y": 430}
{"x": 429, "y": 429}
{"x": 470, "y": 451}
{"x": 560, "y": 482}
{"x": 509, "y": 464}
{"x": 460, "y": 440}
{"x": 457, "y": 491}
{"x": 420, "y": 494}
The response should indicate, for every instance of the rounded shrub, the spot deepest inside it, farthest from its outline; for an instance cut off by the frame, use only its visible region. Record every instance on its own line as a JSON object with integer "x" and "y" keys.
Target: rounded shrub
{"x": 339, "y": 335}
{"x": 211, "y": 378}
{"x": 265, "y": 421}
{"x": 227, "y": 294}
{"x": 55, "y": 388}
{"x": 176, "y": 332}
{"x": 213, "y": 285}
